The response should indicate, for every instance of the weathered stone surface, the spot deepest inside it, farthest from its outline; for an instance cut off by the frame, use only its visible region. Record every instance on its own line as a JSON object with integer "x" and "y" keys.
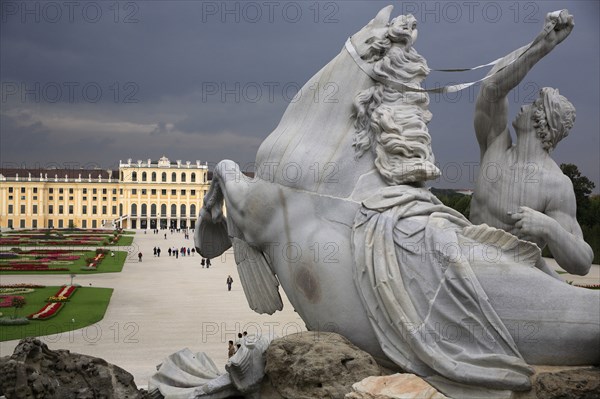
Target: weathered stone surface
{"x": 34, "y": 371}
{"x": 558, "y": 383}
{"x": 396, "y": 386}
{"x": 315, "y": 365}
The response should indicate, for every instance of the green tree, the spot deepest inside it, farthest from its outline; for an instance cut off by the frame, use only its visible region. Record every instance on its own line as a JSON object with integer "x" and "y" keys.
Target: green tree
{"x": 583, "y": 187}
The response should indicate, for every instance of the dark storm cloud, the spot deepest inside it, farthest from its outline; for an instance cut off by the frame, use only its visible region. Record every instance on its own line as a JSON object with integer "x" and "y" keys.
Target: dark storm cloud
{"x": 192, "y": 79}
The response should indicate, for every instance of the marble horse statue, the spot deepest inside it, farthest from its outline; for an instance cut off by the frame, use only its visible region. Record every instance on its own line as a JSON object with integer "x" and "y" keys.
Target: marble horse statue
{"x": 338, "y": 213}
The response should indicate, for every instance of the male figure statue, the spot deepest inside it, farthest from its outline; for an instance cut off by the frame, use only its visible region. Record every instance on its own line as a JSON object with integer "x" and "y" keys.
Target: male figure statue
{"x": 520, "y": 188}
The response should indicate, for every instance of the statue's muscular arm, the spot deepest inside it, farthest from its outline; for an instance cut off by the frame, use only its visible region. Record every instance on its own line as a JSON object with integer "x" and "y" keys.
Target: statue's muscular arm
{"x": 558, "y": 227}
{"x": 491, "y": 109}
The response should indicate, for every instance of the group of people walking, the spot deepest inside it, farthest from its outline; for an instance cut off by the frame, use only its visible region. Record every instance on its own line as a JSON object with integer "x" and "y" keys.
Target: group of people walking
{"x": 181, "y": 251}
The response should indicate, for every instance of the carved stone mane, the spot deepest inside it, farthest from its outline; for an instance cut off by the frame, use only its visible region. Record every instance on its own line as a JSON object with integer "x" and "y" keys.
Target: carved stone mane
{"x": 392, "y": 122}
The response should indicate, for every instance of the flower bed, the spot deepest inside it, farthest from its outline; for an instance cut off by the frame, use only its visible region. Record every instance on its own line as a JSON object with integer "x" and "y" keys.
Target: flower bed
{"x": 93, "y": 265}
{"x": 51, "y": 237}
{"x": 51, "y": 308}
{"x": 30, "y": 269}
{"x": 57, "y": 299}
{"x": 47, "y": 311}
{"x": 15, "y": 290}
{"x": 66, "y": 291}
{"x": 6, "y": 301}
{"x": 589, "y": 286}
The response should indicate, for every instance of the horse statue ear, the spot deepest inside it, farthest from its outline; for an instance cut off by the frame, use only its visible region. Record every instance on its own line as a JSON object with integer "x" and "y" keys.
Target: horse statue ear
{"x": 375, "y": 29}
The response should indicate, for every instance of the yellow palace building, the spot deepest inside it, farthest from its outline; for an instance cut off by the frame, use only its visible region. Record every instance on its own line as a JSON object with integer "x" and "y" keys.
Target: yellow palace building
{"x": 140, "y": 195}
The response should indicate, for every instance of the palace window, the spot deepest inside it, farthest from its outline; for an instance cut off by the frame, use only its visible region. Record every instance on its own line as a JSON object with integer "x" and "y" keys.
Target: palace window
{"x": 153, "y": 176}
{"x": 173, "y": 177}
{"x": 193, "y": 178}
{"x": 163, "y": 177}
{"x": 183, "y": 177}
{"x": 144, "y": 176}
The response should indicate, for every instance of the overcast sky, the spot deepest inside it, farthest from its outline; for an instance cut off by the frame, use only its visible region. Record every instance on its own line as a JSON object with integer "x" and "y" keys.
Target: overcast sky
{"x": 92, "y": 83}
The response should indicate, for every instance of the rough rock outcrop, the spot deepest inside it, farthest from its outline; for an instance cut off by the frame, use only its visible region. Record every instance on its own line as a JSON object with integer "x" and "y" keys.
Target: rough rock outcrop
{"x": 396, "y": 386}
{"x": 34, "y": 371}
{"x": 312, "y": 365}
{"x": 557, "y": 383}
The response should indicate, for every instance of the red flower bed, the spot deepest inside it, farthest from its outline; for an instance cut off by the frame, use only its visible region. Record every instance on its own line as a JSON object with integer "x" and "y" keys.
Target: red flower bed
{"x": 48, "y": 251}
{"x": 36, "y": 268}
{"x": 66, "y": 291}
{"x": 25, "y": 264}
{"x": 49, "y": 310}
{"x": 6, "y": 300}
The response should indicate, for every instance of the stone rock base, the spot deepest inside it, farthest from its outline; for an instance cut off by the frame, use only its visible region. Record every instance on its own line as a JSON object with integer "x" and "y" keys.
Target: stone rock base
{"x": 34, "y": 371}
{"x": 563, "y": 383}
{"x": 313, "y": 365}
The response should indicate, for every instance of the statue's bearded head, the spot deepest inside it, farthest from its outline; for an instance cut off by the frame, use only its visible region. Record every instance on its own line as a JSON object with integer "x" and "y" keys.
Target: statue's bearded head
{"x": 553, "y": 117}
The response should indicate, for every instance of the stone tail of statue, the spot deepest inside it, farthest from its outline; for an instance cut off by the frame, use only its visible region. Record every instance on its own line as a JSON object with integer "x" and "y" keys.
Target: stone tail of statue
{"x": 216, "y": 233}
{"x": 258, "y": 280}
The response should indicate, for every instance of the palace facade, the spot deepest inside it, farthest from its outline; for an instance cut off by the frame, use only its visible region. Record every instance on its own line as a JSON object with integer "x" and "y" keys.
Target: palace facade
{"x": 140, "y": 195}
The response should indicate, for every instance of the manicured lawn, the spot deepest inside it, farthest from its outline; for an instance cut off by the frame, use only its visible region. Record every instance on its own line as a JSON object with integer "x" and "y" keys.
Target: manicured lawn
{"x": 124, "y": 241}
{"x": 87, "y": 306}
{"x": 107, "y": 265}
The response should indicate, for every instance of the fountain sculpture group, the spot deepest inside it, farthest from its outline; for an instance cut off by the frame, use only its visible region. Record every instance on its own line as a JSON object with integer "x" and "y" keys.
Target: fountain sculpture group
{"x": 402, "y": 276}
